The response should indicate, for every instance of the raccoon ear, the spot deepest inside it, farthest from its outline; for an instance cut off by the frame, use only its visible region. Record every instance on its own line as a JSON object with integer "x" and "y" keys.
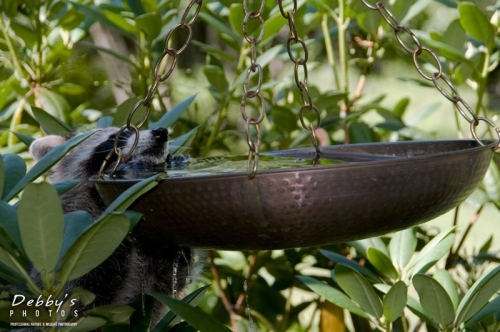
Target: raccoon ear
{"x": 42, "y": 146}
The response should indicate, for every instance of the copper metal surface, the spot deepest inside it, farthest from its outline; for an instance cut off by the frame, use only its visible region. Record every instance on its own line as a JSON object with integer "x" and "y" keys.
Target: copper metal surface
{"x": 405, "y": 184}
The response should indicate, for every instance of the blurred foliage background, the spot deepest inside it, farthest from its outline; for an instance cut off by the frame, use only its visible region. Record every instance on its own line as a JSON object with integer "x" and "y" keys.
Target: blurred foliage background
{"x": 79, "y": 60}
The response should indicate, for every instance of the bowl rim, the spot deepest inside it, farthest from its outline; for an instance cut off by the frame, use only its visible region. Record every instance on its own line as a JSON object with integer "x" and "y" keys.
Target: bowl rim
{"x": 310, "y": 152}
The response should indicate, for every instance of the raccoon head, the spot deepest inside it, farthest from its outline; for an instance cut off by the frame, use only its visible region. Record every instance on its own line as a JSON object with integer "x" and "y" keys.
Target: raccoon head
{"x": 86, "y": 159}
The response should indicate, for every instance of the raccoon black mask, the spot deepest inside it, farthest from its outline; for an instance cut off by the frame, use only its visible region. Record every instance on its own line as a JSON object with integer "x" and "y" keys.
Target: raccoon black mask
{"x": 86, "y": 159}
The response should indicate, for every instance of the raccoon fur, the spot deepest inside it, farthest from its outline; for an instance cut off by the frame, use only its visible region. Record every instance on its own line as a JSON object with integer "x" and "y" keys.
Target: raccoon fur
{"x": 140, "y": 265}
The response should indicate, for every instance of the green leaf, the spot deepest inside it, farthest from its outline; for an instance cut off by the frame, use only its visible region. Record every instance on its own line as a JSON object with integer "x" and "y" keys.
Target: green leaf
{"x": 136, "y": 7}
{"x": 54, "y": 104}
{"x": 402, "y": 246}
{"x": 7, "y": 272}
{"x": 417, "y": 309}
{"x": 88, "y": 323}
{"x": 113, "y": 313}
{"x": 238, "y": 80}
{"x": 369, "y": 21}
{"x": 176, "y": 143}
{"x": 339, "y": 259}
{"x": 71, "y": 19}
{"x": 332, "y": 295}
{"x": 359, "y": 289}
{"x": 400, "y": 108}
{"x": 415, "y": 9}
{"x": 360, "y": 132}
{"x": 108, "y": 51}
{"x": 65, "y": 186}
{"x": 2, "y": 174}
{"x": 95, "y": 13}
{"x": 236, "y": 15}
{"x": 362, "y": 246}
{"x": 491, "y": 308}
{"x": 211, "y": 50}
{"x": 445, "y": 279}
{"x": 122, "y": 202}
{"x": 51, "y": 124}
{"x": 75, "y": 223}
{"x": 434, "y": 299}
{"x": 141, "y": 319}
{"x": 171, "y": 116}
{"x": 391, "y": 120}
{"x": 411, "y": 303}
{"x": 491, "y": 182}
{"x": 72, "y": 89}
{"x": 104, "y": 121}
{"x": 40, "y": 218}
{"x": 455, "y": 36}
{"x": 6, "y": 242}
{"x": 8, "y": 269}
{"x": 444, "y": 49}
{"x": 478, "y": 296}
{"x": 193, "y": 299}
{"x": 8, "y": 111}
{"x": 382, "y": 263}
{"x": 15, "y": 169}
{"x": 95, "y": 245}
{"x": 52, "y": 157}
{"x": 272, "y": 26}
{"x": 124, "y": 109}
{"x": 124, "y": 24}
{"x": 24, "y": 138}
{"x": 8, "y": 221}
{"x": 186, "y": 327}
{"x": 486, "y": 246}
{"x": 150, "y": 24}
{"x": 395, "y": 301}
{"x": 216, "y": 77}
{"x": 194, "y": 316}
{"x": 9, "y": 8}
{"x": 422, "y": 113}
{"x": 433, "y": 251}
{"x": 84, "y": 297}
{"x": 218, "y": 25}
{"x": 476, "y": 23}
{"x": 134, "y": 217}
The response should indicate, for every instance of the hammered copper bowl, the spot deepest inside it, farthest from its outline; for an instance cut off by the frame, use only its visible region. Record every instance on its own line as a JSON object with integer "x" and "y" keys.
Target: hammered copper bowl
{"x": 383, "y": 187}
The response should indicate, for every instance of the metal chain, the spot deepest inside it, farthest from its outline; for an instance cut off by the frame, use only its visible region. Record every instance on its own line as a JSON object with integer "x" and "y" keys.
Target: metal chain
{"x": 254, "y": 92}
{"x": 301, "y": 82}
{"x": 461, "y": 105}
{"x": 159, "y": 76}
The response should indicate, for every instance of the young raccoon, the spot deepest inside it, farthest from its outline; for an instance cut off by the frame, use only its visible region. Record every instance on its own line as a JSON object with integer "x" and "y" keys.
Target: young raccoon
{"x": 140, "y": 265}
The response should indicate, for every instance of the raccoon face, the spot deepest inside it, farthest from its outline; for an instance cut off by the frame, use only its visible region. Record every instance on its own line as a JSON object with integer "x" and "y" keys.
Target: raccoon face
{"x": 86, "y": 159}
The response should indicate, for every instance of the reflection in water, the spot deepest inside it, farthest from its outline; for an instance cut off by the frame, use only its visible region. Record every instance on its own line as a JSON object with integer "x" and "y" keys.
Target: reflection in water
{"x": 191, "y": 167}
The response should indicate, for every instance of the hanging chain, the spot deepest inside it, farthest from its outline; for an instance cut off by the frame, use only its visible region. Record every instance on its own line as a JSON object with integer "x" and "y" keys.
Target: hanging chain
{"x": 438, "y": 78}
{"x": 162, "y": 71}
{"x": 251, "y": 93}
{"x": 301, "y": 82}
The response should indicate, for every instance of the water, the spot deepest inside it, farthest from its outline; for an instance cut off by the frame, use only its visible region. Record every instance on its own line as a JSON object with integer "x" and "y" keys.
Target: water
{"x": 192, "y": 167}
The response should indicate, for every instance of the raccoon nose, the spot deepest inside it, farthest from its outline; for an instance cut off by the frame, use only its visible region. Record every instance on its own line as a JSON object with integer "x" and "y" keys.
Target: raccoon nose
{"x": 160, "y": 134}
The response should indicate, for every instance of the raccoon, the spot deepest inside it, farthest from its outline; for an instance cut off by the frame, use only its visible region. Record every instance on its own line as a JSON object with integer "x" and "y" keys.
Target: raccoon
{"x": 140, "y": 265}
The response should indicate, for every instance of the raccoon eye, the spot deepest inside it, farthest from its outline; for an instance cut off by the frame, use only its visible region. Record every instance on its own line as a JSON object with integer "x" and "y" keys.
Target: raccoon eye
{"x": 112, "y": 137}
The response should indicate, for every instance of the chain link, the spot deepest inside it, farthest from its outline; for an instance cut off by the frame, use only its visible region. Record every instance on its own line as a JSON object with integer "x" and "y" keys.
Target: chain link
{"x": 254, "y": 141}
{"x": 301, "y": 62}
{"x": 160, "y": 65}
{"x": 461, "y": 105}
